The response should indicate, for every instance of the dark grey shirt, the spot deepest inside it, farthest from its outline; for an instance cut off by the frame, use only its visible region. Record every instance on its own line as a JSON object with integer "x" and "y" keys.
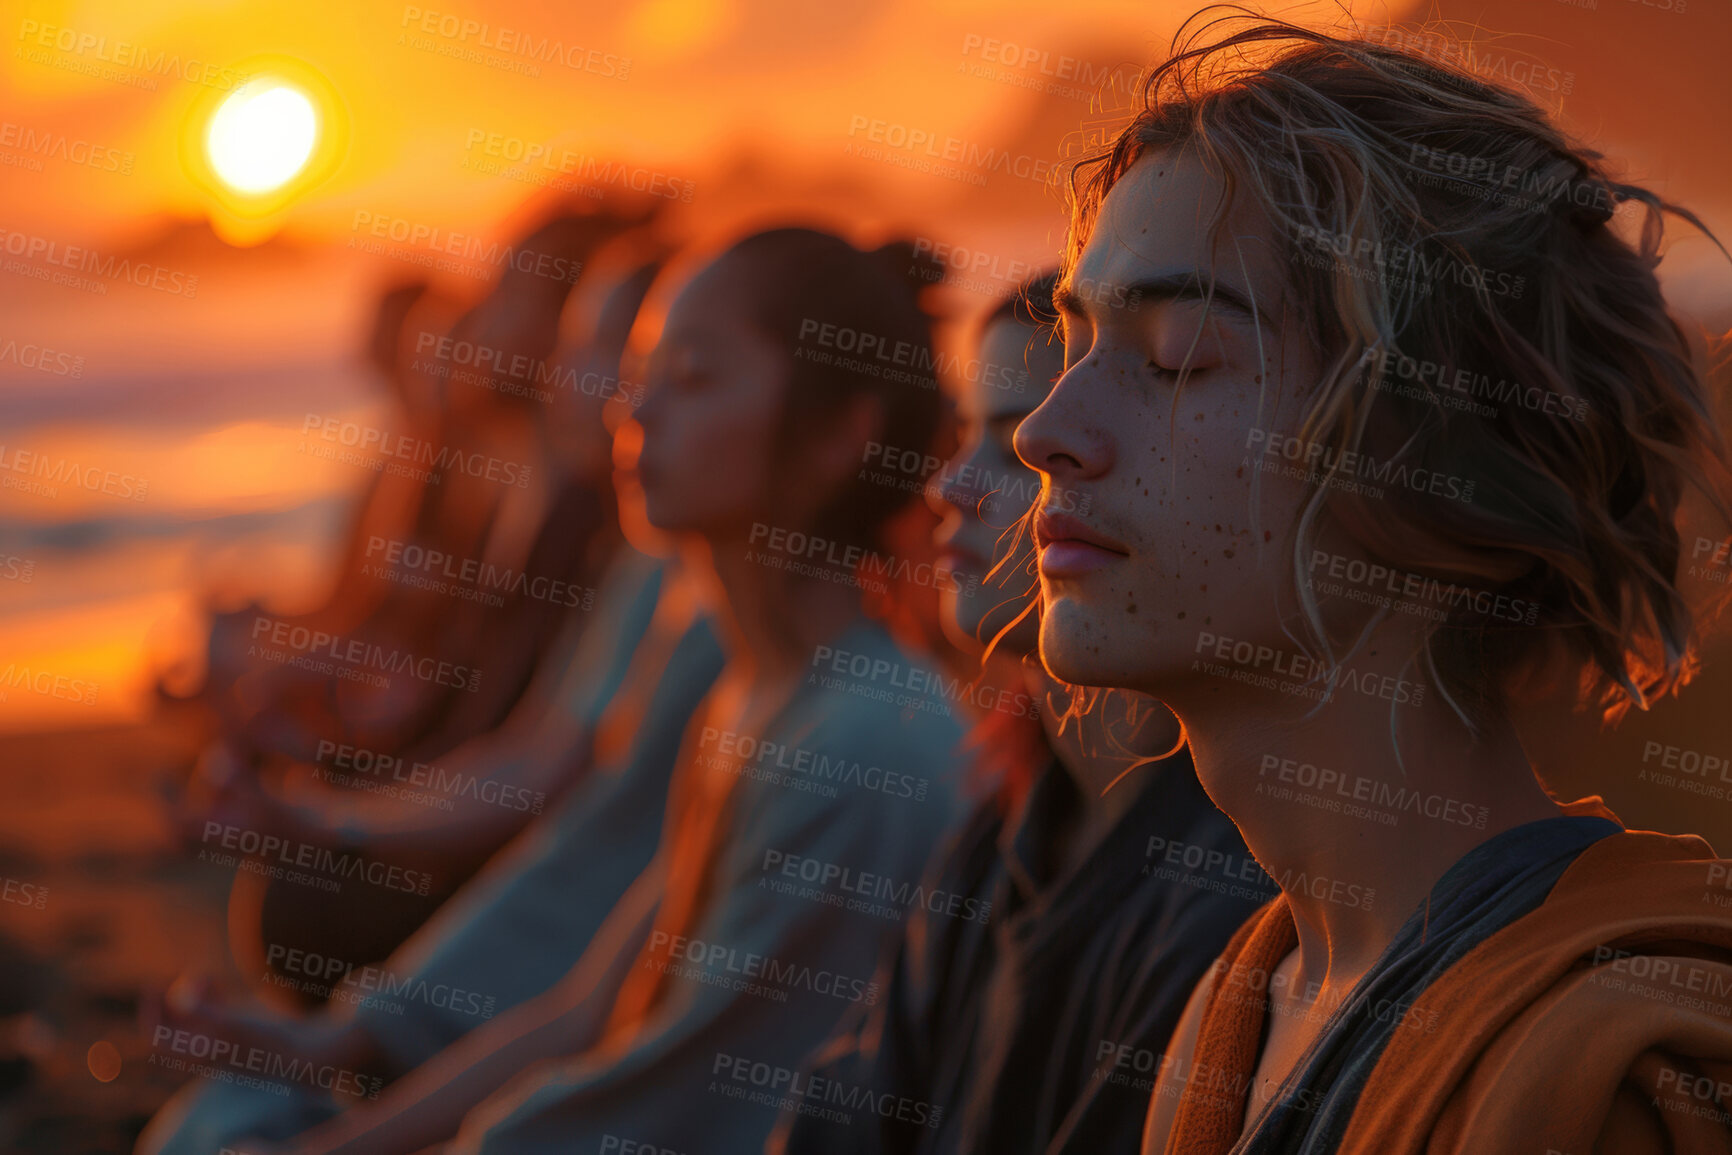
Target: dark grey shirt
{"x": 1039, "y": 1030}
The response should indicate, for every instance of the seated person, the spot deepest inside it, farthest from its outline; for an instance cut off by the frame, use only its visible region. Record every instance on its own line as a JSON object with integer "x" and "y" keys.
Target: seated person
{"x": 513, "y": 929}
{"x": 575, "y": 429}
{"x": 501, "y": 503}
{"x": 1348, "y": 583}
{"x": 717, "y": 963}
{"x": 387, "y": 508}
{"x": 448, "y": 411}
{"x": 505, "y": 937}
{"x": 542, "y": 747}
{"x": 1048, "y": 961}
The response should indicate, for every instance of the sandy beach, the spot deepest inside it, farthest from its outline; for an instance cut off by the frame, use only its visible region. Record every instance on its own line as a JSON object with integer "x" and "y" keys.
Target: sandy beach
{"x": 100, "y": 906}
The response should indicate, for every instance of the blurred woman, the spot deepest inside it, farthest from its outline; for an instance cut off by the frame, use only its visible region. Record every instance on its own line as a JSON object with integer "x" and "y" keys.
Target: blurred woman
{"x": 613, "y": 723}
{"x": 388, "y": 508}
{"x": 341, "y": 798}
{"x": 1380, "y": 458}
{"x": 505, "y": 937}
{"x": 491, "y": 495}
{"x": 499, "y": 506}
{"x": 802, "y": 761}
{"x": 1033, "y": 987}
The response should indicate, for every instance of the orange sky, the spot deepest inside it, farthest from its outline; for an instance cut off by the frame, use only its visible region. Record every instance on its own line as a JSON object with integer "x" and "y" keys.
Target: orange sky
{"x": 707, "y": 79}
{"x": 747, "y": 103}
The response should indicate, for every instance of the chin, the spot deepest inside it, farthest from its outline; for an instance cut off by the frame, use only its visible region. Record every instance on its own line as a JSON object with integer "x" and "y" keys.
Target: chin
{"x": 1080, "y": 646}
{"x": 1073, "y": 643}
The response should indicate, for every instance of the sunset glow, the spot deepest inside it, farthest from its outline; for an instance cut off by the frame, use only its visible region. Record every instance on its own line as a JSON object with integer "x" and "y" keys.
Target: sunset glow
{"x": 261, "y": 136}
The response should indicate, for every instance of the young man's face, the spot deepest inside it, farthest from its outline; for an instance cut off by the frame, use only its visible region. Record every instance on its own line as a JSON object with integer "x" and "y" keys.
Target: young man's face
{"x": 1169, "y": 549}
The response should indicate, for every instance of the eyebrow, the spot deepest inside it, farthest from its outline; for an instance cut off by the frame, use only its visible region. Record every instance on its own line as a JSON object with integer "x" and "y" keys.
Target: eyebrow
{"x": 1170, "y": 287}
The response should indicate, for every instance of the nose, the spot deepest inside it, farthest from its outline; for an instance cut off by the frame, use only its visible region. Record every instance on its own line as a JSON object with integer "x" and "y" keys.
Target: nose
{"x": 1065, "y": 437}
{"x": 946, "y": 493}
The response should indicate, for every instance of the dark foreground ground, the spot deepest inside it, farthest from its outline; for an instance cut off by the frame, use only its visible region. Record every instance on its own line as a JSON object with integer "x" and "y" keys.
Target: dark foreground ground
{"x": 97, "y": 906}
{"x": 100, "y": 905}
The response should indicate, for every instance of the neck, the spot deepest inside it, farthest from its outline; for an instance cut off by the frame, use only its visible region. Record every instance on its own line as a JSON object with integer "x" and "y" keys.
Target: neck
{"x": 1355, "y": 835}
{"x": 770, "y": 622}
{"x": 1099, "y": 758}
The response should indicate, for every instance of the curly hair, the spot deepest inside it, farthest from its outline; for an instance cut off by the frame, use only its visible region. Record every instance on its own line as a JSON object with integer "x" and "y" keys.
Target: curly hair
{"x": 1444, "y": 242}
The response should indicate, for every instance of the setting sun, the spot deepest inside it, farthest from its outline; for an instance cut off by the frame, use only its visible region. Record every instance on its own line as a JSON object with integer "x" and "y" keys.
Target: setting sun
{"x": 261, "y": 136}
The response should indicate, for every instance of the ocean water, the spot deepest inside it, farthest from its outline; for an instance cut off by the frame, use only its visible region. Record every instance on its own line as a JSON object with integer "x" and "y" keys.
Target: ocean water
{"x": 152, "y": 466}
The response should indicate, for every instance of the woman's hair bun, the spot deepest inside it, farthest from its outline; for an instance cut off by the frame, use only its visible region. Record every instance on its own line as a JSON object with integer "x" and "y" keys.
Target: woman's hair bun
{"x": 918, "y": 270}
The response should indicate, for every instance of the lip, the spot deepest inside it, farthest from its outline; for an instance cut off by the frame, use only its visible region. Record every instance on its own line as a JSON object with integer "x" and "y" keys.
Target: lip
{"x": 1070, "y": 548}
